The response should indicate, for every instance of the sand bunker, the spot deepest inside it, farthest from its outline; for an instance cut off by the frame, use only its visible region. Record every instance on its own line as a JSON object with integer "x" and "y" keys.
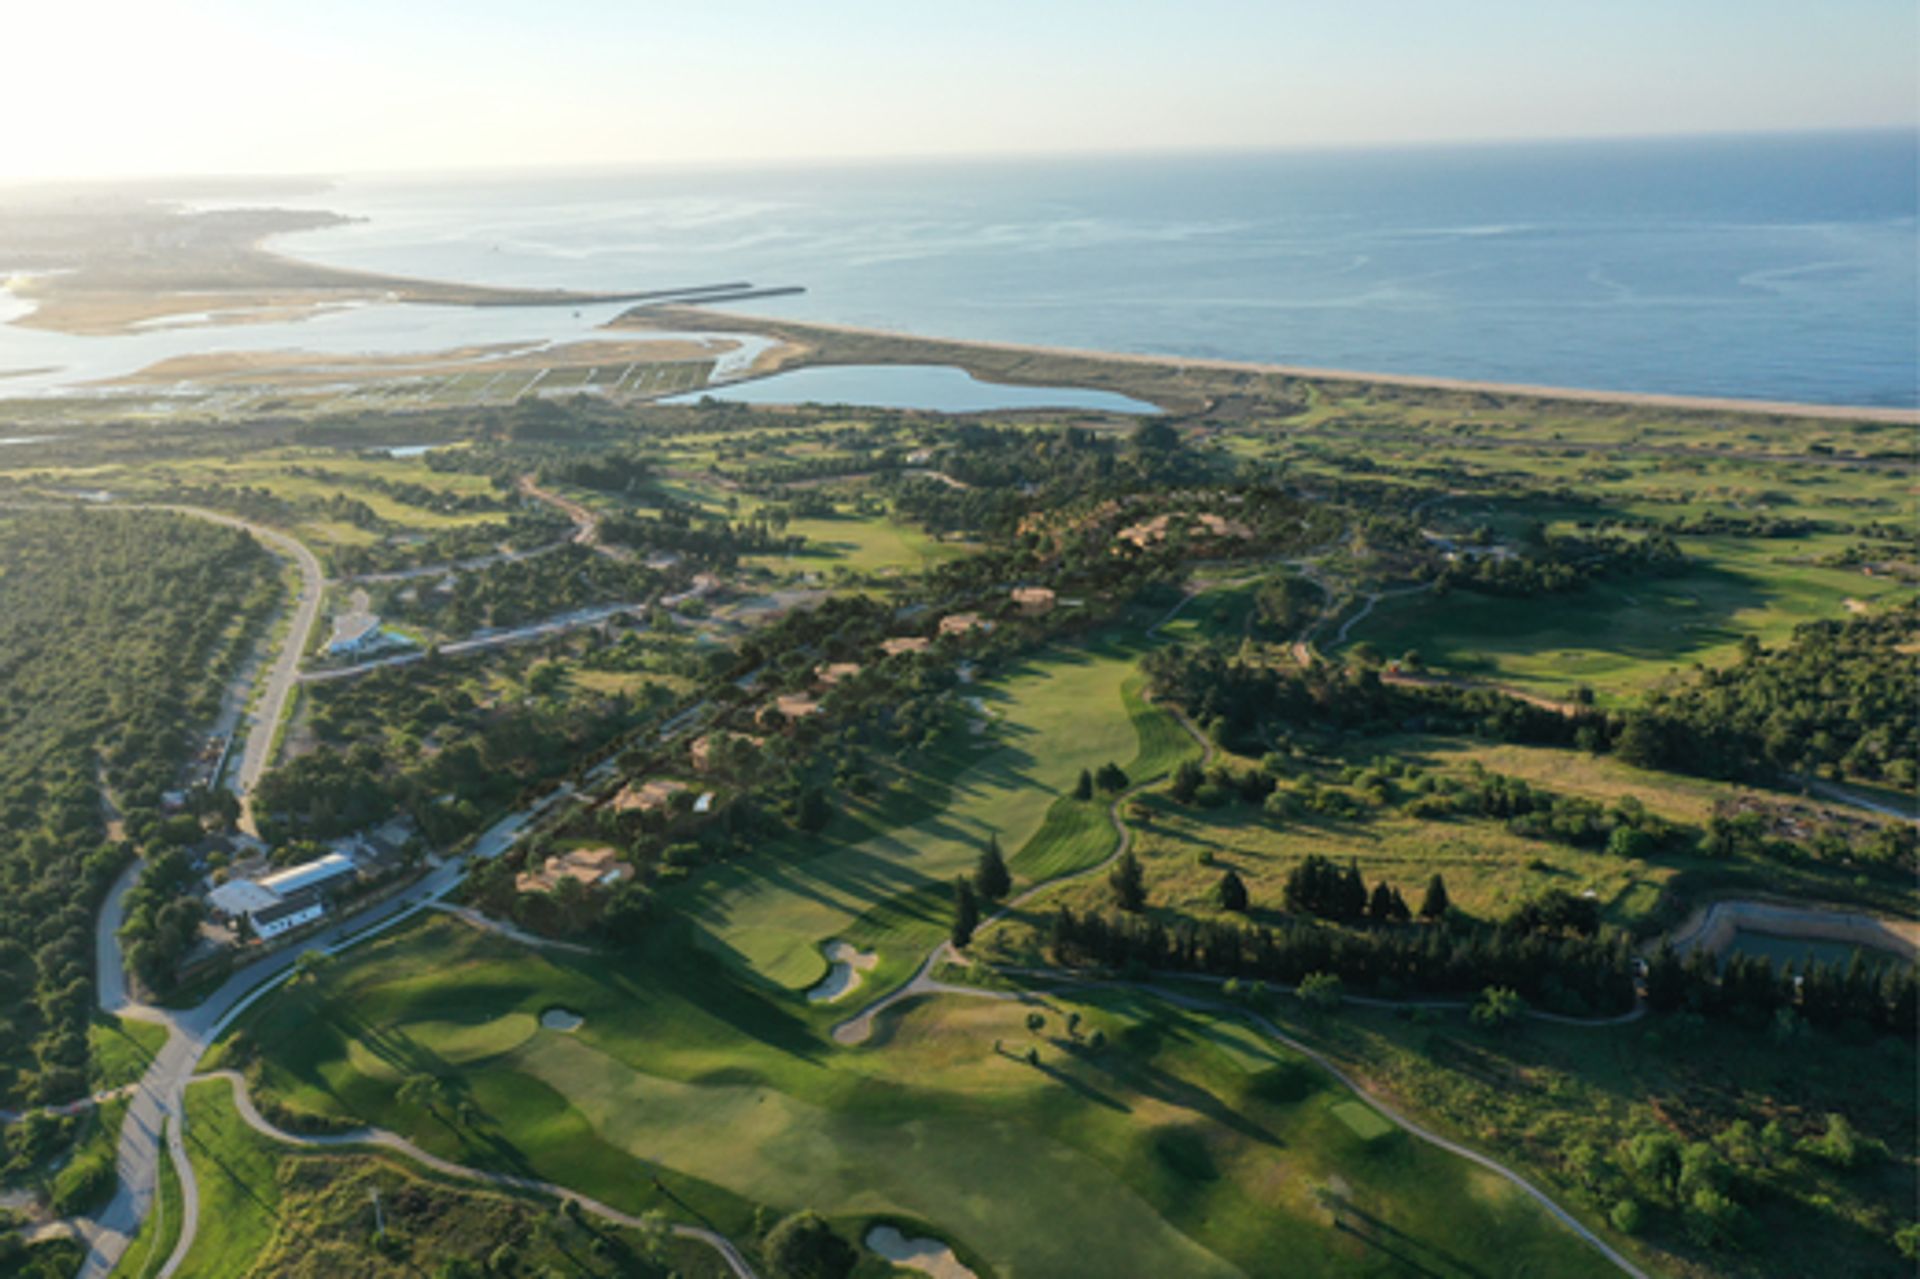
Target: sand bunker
{"x": 848, "y": 963}
{"x": 561, "y": 1019}
{"x": 928, "y": 1256}
{"x": 1712, "y": 928}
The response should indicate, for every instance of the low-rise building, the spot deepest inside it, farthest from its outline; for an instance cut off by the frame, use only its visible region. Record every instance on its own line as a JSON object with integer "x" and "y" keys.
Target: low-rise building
{"x": 1034, "y": 601}
{"x": 905, "y": 644}
{"x": 962, "y": 623}
{"x": 286, "y": 899}
{"x": 239, "y": 897}
{"x": 829, "y": 674}
{"x": 285, "y": 916}
{"x": 790, "y": 707}
{"x": 315, "y": 876}
{"x": 648, "y": 796}
{"x": 600, "y": 867}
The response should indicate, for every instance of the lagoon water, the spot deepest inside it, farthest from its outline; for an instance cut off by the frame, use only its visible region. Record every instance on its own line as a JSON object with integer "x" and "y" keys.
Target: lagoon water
{"x": 913, "y": 386}
{"x": 1762, "y": 267}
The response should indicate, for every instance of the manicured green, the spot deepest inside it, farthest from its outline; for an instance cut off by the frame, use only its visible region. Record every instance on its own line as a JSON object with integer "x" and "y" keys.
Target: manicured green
{"x": 1186, "y": 1145}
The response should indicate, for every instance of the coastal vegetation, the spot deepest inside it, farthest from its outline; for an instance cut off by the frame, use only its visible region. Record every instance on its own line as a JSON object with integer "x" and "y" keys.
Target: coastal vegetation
{"x": 119, "y": 630}
{"x": 976, "y": 823}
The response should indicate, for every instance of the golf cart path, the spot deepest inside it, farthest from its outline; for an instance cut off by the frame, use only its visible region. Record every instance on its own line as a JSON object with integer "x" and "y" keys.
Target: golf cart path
{"x": 381, "y": 1137}
{"x": 858, "y": 1029}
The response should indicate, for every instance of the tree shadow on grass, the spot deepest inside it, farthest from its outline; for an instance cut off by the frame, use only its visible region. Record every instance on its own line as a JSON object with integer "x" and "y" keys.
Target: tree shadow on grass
{"x": 679, "y": 964}
{"x": 1077, "y": 1085}
{"x": 1375, "y": 1231}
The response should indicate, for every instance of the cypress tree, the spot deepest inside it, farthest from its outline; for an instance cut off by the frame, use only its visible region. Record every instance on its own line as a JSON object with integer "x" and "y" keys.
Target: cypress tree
{"x": 1129, "y": 885}
{"x": 966, "y": 913}
{"x": 990, "y": 876}
{"x": 1380, "y": 905}
{"x": 1083, "y": 789}
{"x": 1435, "y": 904}
{"x": 1233, "y": 893}
{"x": 1352, "y": 901}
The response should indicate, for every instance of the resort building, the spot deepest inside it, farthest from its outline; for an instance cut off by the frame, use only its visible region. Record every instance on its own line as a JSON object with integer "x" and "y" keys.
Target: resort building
{"x": 592, "y": 867}
{"x": 905, "y": 644}
{"x": 648, "y": 796}
{"x": 285, "y": 900}
{"x": 285, "y": 916}
{"x": 1034, "y": 601}
{"x": 832, "y": 673}
{"x": 314, "y": 876}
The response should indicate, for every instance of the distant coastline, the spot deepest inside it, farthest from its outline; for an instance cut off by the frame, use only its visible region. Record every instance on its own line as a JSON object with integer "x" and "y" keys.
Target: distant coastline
{"x": 882, "y": 346}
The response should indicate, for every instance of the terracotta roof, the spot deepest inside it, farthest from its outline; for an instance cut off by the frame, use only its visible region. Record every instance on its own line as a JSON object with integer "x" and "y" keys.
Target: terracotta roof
{"x": 590, "y": 866}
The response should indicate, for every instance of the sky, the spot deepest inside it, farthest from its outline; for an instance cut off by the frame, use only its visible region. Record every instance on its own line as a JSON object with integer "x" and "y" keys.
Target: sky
{"x": 94, "y": 88}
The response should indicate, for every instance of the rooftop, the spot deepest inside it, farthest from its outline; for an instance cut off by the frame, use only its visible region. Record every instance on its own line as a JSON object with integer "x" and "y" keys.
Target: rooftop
{"x": 589, "y": 866}
{"x": 322, "y": 870}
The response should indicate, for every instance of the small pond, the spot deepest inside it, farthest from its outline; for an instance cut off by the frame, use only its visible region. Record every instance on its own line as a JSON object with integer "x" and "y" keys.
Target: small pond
{"x": 934, "y": 387}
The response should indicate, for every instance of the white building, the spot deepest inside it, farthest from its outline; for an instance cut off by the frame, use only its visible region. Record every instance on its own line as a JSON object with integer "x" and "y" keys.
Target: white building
{"x": 239, "y": 897}
{"x": 317, "y": 874}
{"x": 353, "y": 634}
{"x": 286, "y": 899}
{"x": 286, "y": 916}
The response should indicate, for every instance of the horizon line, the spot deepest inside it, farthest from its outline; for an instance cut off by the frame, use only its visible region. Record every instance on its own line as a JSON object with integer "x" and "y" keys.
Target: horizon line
{"x": 830, "y": 160}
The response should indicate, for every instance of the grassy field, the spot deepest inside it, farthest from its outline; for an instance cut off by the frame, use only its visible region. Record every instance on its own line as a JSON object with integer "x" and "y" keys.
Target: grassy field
{"x": 119, "y": 1048}
{"x": 859, "y": 544}
{"x": 272, "y": 1210}
{"x": 235, "y": 1169}
{"x": 1562, "y": 1101}
{"x": 1619, "y": 637}
{"x": 1185, "y": 1145}
{"x": 1060, "y": 712}
{"x": 1185, "y": 849}
{"x": 159, "y": 1232}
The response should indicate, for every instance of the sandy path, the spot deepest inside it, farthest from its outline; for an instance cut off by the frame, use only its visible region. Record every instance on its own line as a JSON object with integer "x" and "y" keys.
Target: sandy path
{"x": 1711, "y": 927}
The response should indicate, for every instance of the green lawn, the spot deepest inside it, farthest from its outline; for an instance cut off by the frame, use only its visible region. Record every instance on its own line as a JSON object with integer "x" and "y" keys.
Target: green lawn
{"x": 270, "y": 1210}
{"x": 861, "y": 545}
{"x": 1060, "y": 712}
{"x": 1188, "y": 1145}
{"x": 158, "y": 1233}
{"x": 235, "y": 1170}
{"x": 1620, "y": 636}
{"x": 119, "y": 1049}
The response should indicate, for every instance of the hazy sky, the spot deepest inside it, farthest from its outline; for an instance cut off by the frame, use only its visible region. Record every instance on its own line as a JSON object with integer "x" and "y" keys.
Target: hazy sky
{"x": 94, "y": 87}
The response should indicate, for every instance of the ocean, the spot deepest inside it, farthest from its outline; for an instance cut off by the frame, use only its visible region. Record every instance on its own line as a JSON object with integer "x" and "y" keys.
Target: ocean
{"x": 1782, "y": 267}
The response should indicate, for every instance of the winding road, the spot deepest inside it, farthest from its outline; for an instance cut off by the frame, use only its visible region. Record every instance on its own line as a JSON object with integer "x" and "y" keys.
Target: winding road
{"x": 159, "y": 1094}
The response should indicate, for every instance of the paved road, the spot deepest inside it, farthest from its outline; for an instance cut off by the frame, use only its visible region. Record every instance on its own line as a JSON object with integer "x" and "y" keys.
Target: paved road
{"x": 243, "y": 1103}
{"x": 160, "y": 1092}
{"x": 586, "y": 524}
{"x": 592, "y": 616}
{"x": 270, "y": 703}
{"x": 1849, "y": 796}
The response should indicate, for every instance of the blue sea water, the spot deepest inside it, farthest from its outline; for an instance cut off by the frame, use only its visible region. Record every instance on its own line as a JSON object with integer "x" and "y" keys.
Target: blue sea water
{"x": 1761, "y": 267}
